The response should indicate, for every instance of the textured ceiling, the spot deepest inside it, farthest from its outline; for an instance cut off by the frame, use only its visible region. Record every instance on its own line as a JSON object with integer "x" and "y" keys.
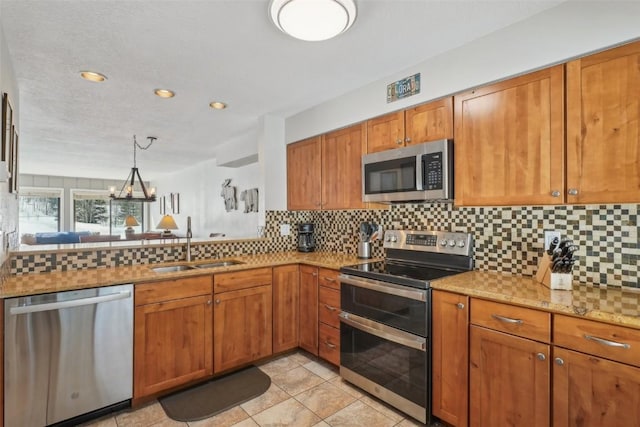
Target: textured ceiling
{"x": 204, "y": 51}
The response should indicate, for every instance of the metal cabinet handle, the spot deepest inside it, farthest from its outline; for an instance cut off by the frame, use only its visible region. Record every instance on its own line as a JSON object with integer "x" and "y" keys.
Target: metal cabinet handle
{"x": 209, "y": 302}
{"x": 328, "y": 344}
{"x": 607, "y": 342}
{"x": 329, "y": 279}
{"x": 460, "y": 305}
{"x": 399, "y": 142}
{"x": 407, "y": 139}
{"x": 541, "y": 356}
{"x": 217, "y": 301}
{"x": 572, "y": 192}
{"x": 555, "y": 193}
{"x": 559, "y": 361}
{"x": 330, "y": 308}
{"x": 314, "y": 274}
{"x": 506, "y": 319}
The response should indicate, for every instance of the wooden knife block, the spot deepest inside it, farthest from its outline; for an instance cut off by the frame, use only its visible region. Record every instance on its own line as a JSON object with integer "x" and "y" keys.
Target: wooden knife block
{"x": 554, "y": 281}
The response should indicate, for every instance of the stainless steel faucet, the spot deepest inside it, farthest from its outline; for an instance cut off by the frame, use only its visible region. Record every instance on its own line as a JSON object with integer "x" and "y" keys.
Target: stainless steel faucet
{"x": 189, "y": 236}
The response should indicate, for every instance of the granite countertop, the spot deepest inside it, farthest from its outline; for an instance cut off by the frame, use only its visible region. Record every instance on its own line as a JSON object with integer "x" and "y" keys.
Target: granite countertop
{"x": 615, "y": 305}
{"x": 32, "y": 284}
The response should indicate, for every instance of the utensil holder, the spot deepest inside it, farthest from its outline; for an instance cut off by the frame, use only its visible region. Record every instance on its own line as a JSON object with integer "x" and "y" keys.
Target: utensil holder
{"x": 554, "y": 281}
{"x": 364, "y": 249}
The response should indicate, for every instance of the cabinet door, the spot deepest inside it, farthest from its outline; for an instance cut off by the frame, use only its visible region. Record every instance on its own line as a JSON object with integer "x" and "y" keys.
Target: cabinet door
{"x": 603, "y": 136}
{"x": 308, "y": 338}
{"x": 592, "y": 392}
{"x": 242, "y": 327}
{"x": 304, "y": 174}
{"x": 385, "y": 132}
{"x": 173, "y": 344}
{"x": 341, "y": 168}
{"x": 285, "y": 307}
{"x": 429, "y": 122}
{"x": 450, "y": 314}
{"x": 509, "y": 141}
{"x": 329, "y": 344}
{"x": 509, "y": 380}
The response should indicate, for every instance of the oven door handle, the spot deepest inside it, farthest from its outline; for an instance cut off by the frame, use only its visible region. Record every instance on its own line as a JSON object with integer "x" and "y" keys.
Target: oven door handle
{"x": 384, "y": 331}
{"x": 384, "y": 287}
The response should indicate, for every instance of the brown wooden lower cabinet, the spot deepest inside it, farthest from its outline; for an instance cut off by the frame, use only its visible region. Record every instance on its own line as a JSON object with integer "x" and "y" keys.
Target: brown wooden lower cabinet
{"x": 286, "y": 296}
{"x": 242, "y": 322}
{"x": 450, "y": 341}
{"x": 329, "y": 343}
{"x": 308, "y": 320}
{"x": 590, "y": 391}
{"x": 173, "y": 334}
{"x": 509, "y": 380}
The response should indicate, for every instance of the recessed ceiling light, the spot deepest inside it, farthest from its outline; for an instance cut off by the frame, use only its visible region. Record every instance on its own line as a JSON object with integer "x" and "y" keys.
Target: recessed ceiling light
{"x": 92, "y": 76}
{"x": 218, "y": 105}
{"x": 313, "y": 20}
{"x": 164, "y": 93}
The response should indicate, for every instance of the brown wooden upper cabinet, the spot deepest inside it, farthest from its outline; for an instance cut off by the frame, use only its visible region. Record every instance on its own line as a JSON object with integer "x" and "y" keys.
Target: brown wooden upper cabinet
{"x": 509, "y": 141}
{"x": 603, "y": 132}
{"x": 426, "y": 122}
{"x": 304, "y": 177}
{"x": 324, "y": 172}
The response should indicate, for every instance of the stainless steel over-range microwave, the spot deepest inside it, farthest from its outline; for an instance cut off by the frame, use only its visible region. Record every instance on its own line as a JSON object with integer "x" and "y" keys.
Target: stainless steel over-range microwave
{"x": 418, "y": 172}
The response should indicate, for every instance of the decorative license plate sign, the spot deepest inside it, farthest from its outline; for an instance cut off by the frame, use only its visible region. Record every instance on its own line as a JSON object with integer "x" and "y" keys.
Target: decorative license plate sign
{"x": 403, "y": 88}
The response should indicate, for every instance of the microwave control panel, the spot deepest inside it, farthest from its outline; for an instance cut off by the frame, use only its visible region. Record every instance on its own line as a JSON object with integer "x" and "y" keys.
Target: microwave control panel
{"x": 432, "y": 166}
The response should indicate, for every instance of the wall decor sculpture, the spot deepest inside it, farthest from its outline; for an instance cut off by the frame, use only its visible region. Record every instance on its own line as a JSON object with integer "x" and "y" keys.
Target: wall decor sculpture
{"x": 229, "y": 194}
{"x": 250, "y": 199}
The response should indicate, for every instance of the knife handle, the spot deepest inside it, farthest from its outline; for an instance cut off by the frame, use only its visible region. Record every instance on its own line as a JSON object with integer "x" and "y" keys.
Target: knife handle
{"x": 552, "y": 245}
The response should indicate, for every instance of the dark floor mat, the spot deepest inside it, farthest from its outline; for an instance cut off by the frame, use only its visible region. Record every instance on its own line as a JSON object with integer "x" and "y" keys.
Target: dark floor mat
{"x": 208, "y": 399}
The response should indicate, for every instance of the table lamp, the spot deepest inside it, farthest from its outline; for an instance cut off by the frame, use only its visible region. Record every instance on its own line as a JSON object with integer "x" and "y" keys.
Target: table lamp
{"x": 130, "y": 221}
{"x": 167, "y": 223}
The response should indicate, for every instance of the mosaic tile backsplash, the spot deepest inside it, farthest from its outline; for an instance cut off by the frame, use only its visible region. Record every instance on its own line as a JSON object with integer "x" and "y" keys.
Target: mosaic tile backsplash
{"x": 506, "y": 239}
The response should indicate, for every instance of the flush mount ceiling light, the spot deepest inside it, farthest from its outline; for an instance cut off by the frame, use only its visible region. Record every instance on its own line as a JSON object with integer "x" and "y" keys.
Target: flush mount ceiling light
{"x": 92, "y": 76}
{"x": 164, "y": 93}
{"x": 313, "y": 20}
{"x": 217, "y": 105}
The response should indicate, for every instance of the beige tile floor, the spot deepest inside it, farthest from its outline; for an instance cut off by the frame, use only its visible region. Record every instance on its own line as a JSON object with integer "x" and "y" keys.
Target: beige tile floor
{"x": 304, "y": 392}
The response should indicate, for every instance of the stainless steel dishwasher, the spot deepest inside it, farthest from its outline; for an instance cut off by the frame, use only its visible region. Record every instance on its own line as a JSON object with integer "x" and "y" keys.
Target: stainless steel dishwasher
{"x": 67, "y": 354}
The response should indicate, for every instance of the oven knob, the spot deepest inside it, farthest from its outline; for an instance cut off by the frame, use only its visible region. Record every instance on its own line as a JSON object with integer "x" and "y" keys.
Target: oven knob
{"x": 388, "y": 239}
{"x": 461, "y": 243}
{"x": 452, "y": 243}
{"x": 394, "y": 238}
{"x": 443, "y": 242}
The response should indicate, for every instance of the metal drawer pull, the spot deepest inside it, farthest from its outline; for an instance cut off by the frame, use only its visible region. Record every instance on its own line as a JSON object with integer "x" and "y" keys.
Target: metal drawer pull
{"x": 607, "y": 342}
{"x": 507, "y": 319}
{"x": 541, "y": 356}
{"x": 330, "y": 308}
{"x": 328, "y": 344}
{"x": 460, "y": 305}
{"x": 329, "y": 279}
{"x": 559, "y": 361}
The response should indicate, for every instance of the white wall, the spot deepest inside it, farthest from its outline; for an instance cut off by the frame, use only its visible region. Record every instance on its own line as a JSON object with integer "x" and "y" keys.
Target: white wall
{"x": 8, "y": 201}
{"x": 273, "y": 163}
{"x": 199, "y": 187}
{"x": 568, "y": 30}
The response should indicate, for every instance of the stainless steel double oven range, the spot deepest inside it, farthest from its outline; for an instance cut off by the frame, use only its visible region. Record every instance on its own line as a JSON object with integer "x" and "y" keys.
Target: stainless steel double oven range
{"x": 386, "y": 316}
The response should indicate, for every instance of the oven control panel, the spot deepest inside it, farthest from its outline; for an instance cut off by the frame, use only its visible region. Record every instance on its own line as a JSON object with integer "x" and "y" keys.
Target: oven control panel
{"x": 454, "y": 243}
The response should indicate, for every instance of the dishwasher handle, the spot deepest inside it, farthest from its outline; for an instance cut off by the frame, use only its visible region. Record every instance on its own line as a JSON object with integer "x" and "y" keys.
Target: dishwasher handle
{"x": 50, "y": 306}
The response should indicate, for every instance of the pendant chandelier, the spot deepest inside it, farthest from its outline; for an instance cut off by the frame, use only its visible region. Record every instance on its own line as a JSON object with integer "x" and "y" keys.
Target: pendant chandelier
{"x": 127, "y": 191}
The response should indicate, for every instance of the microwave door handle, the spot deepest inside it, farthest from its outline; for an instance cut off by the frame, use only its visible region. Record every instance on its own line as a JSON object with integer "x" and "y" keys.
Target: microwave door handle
{"x": 419, "y": 176}
{"x": 383, "y": 331}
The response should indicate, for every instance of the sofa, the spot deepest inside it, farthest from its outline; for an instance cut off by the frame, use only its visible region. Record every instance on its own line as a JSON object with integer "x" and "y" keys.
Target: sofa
{"x": 53, "y": 238}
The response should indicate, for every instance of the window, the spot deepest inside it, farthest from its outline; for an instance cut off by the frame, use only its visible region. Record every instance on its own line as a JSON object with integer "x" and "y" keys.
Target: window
{"x": 94, "y": 211}
{"x": 39, "y": 210}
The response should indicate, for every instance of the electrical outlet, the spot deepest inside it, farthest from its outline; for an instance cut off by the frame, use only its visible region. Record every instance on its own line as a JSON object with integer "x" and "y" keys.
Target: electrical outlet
{"x": 549, "y": 235}
{"x": 285, "y": 229}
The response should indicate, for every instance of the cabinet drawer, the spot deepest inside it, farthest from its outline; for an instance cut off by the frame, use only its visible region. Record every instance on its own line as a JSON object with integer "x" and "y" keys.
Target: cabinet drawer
{"x": 329, "y": 306}
{"x": 329, "y": 278}
{"x": 166, "y": 290}
{"x": 329, "y": 343}
{"x": 601, "y": 339}
{"x": 511, "y": 319}
{"x": 241, "y": 279}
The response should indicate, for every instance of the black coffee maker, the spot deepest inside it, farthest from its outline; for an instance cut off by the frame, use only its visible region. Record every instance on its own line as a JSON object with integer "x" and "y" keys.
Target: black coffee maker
{"x": 306, "y": 243}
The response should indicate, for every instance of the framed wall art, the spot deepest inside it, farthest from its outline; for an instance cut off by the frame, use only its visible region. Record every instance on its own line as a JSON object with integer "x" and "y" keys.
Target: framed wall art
{"x": 7, "y": 121}
{"x": 15, "y": 173}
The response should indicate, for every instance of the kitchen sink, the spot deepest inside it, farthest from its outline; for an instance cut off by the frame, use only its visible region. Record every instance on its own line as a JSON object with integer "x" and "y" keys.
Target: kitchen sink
{"x": 171, "y": 268}
{"x": 219, "y": 264}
